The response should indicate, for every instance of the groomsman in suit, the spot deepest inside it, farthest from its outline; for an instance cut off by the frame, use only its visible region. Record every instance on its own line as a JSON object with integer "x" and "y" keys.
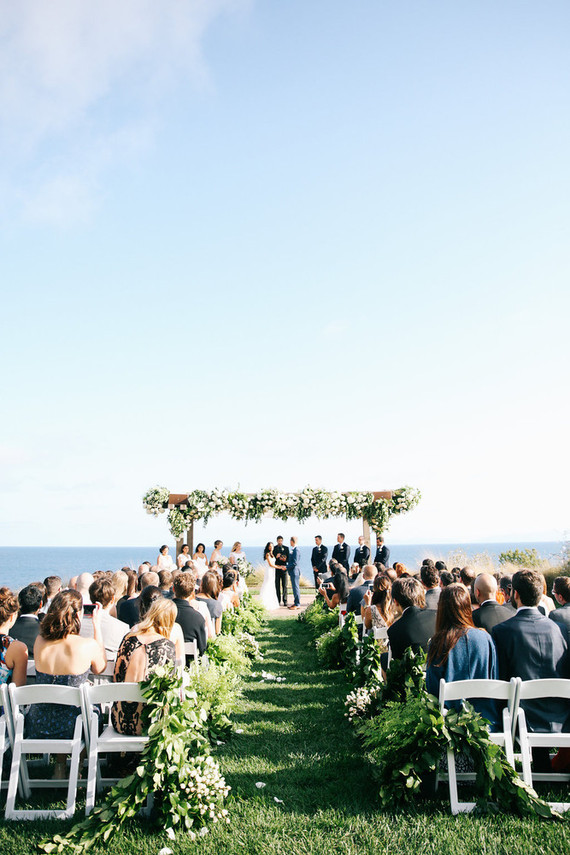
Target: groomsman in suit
{"x": 361, "y": 553}
{"x": 294, "y": 573}
{"x": 382, "y": 552}
{"x": 319, "y": 560}
{"x": 341, "y": 552}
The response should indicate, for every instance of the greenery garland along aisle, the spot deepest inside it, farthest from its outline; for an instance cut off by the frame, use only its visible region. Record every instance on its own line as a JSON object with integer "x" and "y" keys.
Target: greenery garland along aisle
{"x": 401, "y": 726}
{"x": 176, "y": 767}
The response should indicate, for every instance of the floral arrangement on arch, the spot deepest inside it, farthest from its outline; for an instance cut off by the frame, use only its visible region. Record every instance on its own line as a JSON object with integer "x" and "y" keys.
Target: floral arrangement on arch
{"x": 310, "y": 502}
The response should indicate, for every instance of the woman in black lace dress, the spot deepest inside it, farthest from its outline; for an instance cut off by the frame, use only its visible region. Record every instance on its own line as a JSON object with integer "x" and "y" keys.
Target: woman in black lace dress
{"x": 143, "y": 649}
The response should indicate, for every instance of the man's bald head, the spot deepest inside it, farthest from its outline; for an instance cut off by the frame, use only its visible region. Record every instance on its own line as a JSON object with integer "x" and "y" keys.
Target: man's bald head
{"x": 369, "y": 572}
{"x": 149, "y": 579}
{"x": 485, "y": 587}
{"x": 84, "y": 582}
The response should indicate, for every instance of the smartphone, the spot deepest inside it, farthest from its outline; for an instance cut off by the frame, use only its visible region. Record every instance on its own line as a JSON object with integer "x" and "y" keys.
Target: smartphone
{"x": 88, "y": 608}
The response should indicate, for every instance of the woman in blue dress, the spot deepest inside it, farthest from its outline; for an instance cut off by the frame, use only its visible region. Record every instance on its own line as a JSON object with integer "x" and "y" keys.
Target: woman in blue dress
{"x": 459, "y": 651}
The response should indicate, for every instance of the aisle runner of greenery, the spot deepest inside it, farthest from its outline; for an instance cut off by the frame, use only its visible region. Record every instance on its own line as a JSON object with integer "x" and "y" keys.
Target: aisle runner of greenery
{"x": 176, "y": 768}
{"x": 401, "y": 726}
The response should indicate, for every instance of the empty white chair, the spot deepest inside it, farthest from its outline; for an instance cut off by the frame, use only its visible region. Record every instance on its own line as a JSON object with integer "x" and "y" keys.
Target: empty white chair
{"x": 464, "y": 690}
{"x": 191, "y": 649}
{"x": 43, "y": 694}
{"x": 110, "y": 741}
{"x": 534, "y": 690}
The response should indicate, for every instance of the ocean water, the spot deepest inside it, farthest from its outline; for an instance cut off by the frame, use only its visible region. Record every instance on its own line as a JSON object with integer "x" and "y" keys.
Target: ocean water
{"x": 20, "y": 565}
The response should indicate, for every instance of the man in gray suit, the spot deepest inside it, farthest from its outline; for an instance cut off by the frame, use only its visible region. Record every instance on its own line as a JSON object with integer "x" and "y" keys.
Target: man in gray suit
{"x": 561, "y": 593}
{"x": 532, "y": 647}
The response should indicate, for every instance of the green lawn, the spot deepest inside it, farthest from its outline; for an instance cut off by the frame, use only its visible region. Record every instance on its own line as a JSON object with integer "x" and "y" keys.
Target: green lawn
{"x": 296, "y": 740}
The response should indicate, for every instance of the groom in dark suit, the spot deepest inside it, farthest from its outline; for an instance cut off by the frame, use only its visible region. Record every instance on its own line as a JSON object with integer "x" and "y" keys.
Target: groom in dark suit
{"x": 341, "y": 551}
{"x": 319, "y": 560}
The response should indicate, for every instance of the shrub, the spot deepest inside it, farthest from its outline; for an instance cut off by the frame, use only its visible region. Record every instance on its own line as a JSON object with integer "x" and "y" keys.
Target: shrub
{"x": 527, "y": 558}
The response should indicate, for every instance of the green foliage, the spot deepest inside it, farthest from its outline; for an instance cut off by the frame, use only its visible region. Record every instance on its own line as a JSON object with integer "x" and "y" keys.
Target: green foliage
{"x": 350, "y": 647}
{"x": 319, "y": 618}
{"x": 521, "y": 557}
{"x": 330, "y": 648}
{"x": 227, "y": 648}
{"x": 369, "y": 670}
{"x": 218, "y": 692}
{"x": 248, "y": 618}
{"x": 175, "y": 767}
{"x": 403, "y": 675}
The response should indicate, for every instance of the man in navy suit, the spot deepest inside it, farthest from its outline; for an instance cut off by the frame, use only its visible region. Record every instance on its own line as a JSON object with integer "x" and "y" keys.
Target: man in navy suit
{"x": 356, "y": 595}
{"x": 417, "y": 624}
{"x": 294, "y": 572}
{"x": 341, "y": 551}
{"x": 382, "y": 552}
{"x": 361, "y": 553}
{"x": 319, "y": 560}
{"x": 561, "y": 593}
{"x": 532, "y": 647}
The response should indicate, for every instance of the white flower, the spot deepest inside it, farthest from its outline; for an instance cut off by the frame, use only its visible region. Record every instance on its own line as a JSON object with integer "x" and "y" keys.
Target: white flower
{"x": 277, "y": 801}
{"x": 165, "y": 851}
{"x": 260, "y": 785}
{"x": 170, "y": 834}
{"x": 203, "y": 831}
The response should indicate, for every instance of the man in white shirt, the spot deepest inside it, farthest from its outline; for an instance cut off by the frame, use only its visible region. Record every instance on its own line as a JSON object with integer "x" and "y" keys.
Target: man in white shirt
{"x": 113, "y": 630}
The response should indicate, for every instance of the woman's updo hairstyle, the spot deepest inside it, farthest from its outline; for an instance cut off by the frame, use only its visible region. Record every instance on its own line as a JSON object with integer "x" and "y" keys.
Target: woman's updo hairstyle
{"x": 8, "y": 604}
{"x": 148, "y": 597}
{"x": 63, "y": 617}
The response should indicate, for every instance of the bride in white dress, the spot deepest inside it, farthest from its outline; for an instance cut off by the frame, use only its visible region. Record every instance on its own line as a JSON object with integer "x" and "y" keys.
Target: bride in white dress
{"x": 268, "y": 594}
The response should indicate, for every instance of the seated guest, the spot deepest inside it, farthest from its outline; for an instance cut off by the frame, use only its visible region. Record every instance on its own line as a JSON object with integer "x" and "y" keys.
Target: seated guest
{"x": 506, "y": 586}
{"x": 63, "y": 658}
{"x": 357, "y": 593}
{"x": 228, "y": 595}
{"x": 84, "y": 582}
{"x": 150, "y": 594}
{"x": 561, "y": 591}
{"x": 53, "y": 585}
{"x": 376, "y": 608}
{"x": 209, "y": 591}
{"x": 445, "y": 578}
{"x": 533, "y": 647}
{"x": 401, "y": 569}
{"x": 466, "y": 578}
{"x": 27, "y": 627}
{"x": 489, "y": 613}
{"x": 142, "y": 650}
{"x": 440, "y": 566}
{"x": 192, "y": 622}
{"x": 129, "y": 609}
{"x": 546, "y": 602}
{"x": 202, "y": 608}
{"x": 430, "y": 580}
{"x": 341, "y": 592}
{"x": 417, "y": 624}
{"x": 165, "y": 580}
{"x": 459, "y": 651}
{"x": 13, "y": 653}
{"x": 112, "y": 630}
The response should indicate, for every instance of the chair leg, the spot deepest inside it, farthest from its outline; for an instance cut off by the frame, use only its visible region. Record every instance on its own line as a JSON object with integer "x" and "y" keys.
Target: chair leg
{"x": 452, "y": 780}
{"x": 92, "y": 776}
{"x": 526, "y": 755}
{"x": 13, "y": 782}
{"x": 73, "y": 778}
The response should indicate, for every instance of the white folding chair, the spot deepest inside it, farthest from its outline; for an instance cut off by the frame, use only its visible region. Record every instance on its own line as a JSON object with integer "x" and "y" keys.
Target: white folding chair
{"x": 4, "y": 741}
{"x": 191, "y": 649}
{"x": 534, "y": 690}
{"x": 109, "y": 742}
{"x": 43, "y": 694}
{"x": 464, "y": 690}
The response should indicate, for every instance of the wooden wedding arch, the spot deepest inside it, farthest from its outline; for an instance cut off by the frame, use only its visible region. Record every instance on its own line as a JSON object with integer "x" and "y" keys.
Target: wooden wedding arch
{"x": 374, "y": 508}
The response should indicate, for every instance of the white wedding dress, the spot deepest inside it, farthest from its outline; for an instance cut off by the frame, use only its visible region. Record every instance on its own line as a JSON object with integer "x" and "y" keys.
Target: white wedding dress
{"x": 268, "y": 594}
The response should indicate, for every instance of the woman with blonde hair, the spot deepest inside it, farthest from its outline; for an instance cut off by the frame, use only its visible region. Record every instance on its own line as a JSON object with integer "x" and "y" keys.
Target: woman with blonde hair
{"x": 143, "y": 649}
{"x": 237, "y": 554}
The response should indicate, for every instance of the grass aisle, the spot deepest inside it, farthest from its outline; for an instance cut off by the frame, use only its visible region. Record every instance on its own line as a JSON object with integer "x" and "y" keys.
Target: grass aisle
{"x": 297, "y": 742}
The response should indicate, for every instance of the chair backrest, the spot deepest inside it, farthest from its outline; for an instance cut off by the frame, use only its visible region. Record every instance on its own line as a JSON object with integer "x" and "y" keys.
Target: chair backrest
{"x": 42, "y": 693}
{"x": 111, "y": 692}
{"x": 191, "y": 648}
{"x": 547, "y": 688}
{"x": 462, "y": 690}
{"x": 380, "y": 633}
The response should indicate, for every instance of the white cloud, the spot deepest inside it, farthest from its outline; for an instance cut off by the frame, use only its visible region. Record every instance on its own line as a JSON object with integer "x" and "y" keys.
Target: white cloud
{"x": 60, "y": 65}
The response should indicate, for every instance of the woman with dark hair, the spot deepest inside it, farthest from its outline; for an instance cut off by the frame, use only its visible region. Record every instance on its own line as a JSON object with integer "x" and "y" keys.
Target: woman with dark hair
{"x": 459, "y": 651}
{"x": 13, "y": 654}
{"x": 228, "y": 596}
{"x": 341, "y": 591}
{"x": 209, "y": 591}
{"x": 164, "y": 560}
{"x": 377, "y": 609}
{"x": 200, "y": 560}
{"x": 63, "y": 658}
{"x": 149, "y": 595}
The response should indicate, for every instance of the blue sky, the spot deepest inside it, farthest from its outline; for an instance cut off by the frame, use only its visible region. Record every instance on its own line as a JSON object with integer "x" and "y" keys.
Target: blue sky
{"x": 272, "y": 244}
